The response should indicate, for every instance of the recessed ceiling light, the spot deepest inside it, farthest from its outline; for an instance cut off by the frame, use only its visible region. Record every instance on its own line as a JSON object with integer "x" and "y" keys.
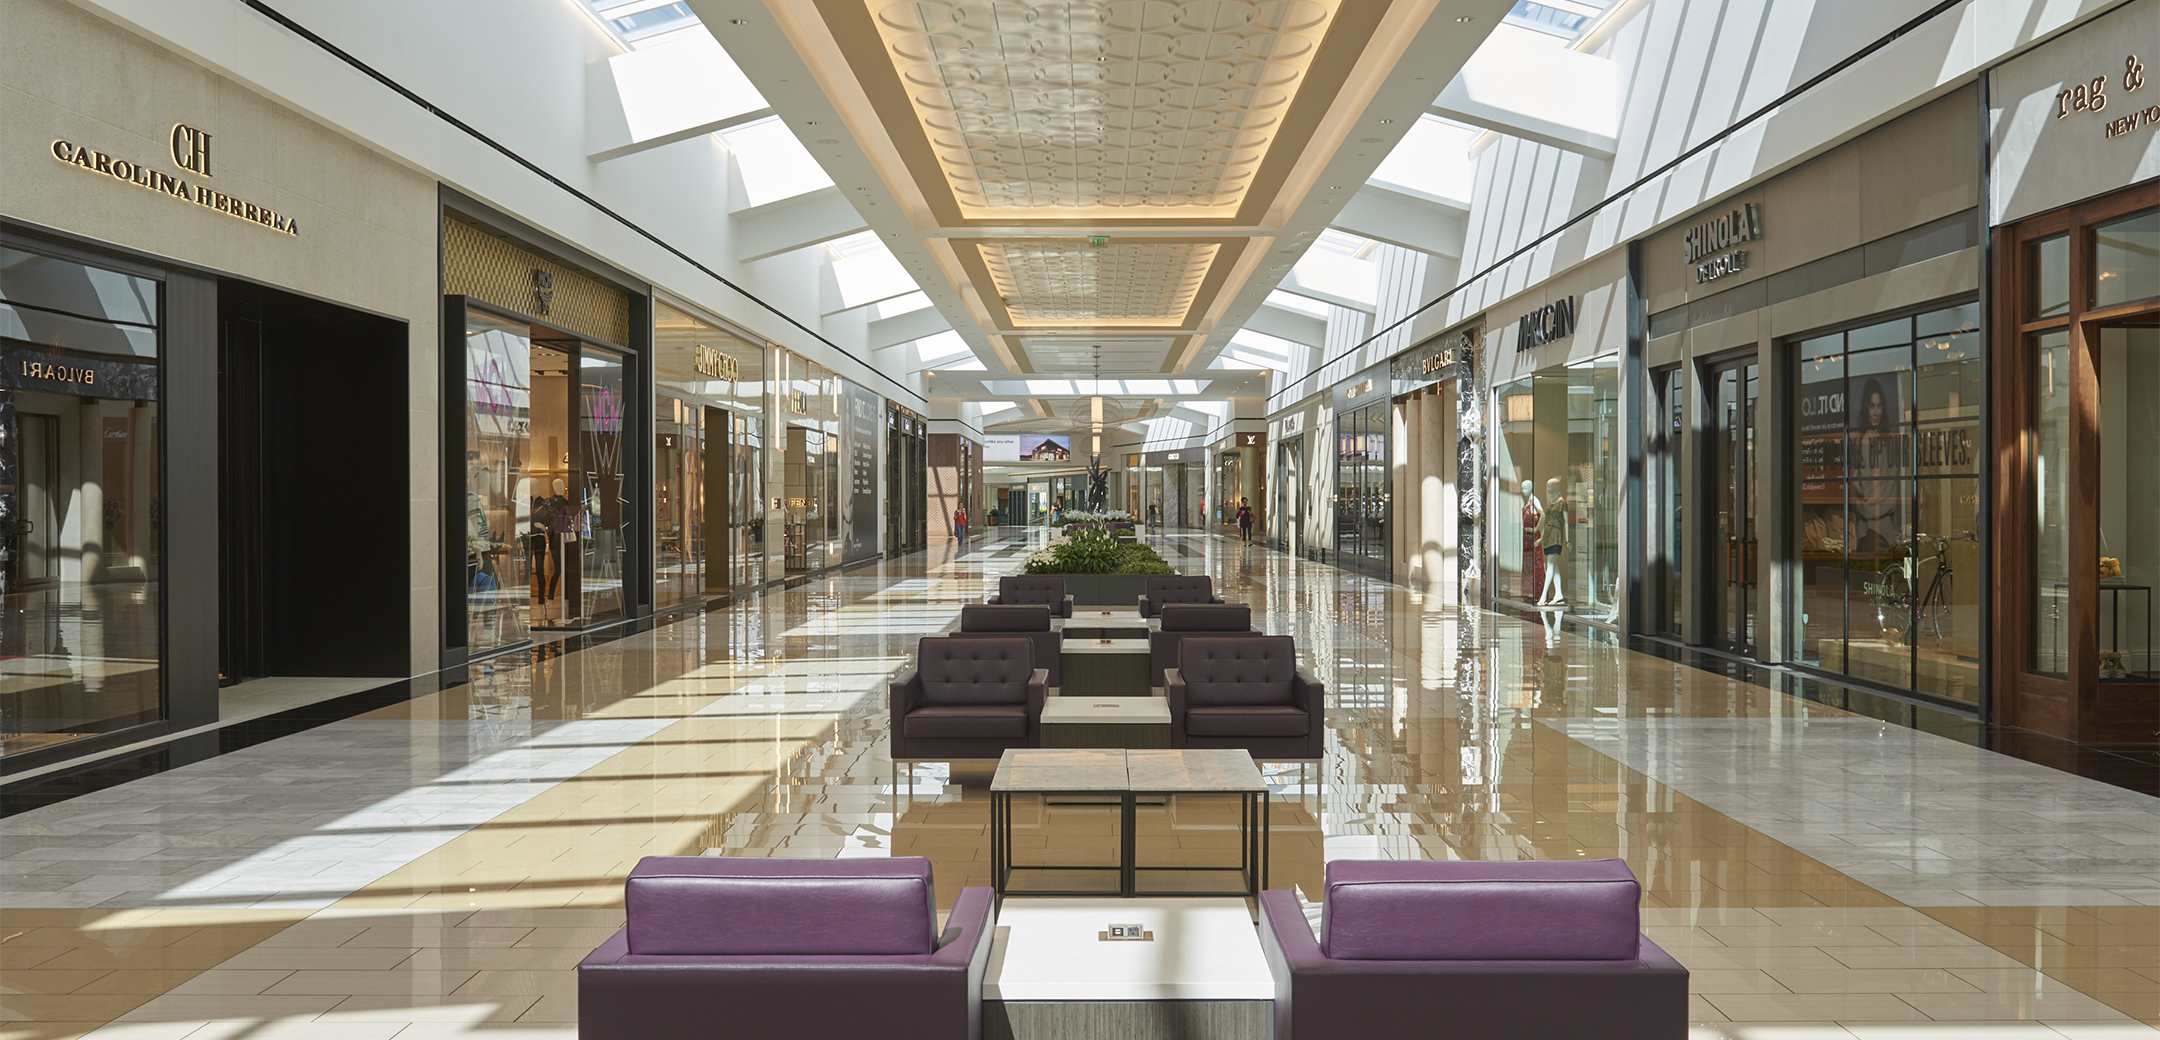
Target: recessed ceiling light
{"x": 1385, "y": 122}
{"x": 1464, "y": 18}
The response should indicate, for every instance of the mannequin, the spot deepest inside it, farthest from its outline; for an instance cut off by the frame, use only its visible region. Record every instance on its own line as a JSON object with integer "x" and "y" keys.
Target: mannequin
{"x": 1533, "y": 561}
{"x": 1555, "y": 531}
{"x": 539, "y": 539}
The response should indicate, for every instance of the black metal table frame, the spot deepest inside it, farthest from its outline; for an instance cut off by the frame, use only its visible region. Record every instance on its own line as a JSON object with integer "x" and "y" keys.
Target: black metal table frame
{"x": 1254, "y": 842}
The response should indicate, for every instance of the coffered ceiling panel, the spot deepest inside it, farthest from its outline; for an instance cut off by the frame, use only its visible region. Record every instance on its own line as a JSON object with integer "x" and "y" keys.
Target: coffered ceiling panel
{"x": 1129, "y": 105}
{"x": 1052, "y": 283}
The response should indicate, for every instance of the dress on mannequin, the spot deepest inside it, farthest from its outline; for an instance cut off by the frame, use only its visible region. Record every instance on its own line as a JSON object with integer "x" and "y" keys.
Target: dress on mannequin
{"x": 1533, "y": 558}
{"x": 1555, "y": 530}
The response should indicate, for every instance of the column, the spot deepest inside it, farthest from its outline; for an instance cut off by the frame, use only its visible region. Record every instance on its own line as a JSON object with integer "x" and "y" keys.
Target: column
{"x": 1434, "y": 433}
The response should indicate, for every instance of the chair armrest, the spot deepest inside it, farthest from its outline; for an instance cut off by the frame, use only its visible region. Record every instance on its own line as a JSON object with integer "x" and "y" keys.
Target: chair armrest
{"x": 1216, "y": 599}
{"x": 994, "y": 599}
{"x": 1307, "y": 692}
{"x": 1174, "y": 692}
{"x": 1066, "y": 606}
{"x": 1038, "y": 691}
{"x": 1147, "y": 607}
{"x": 905, "y": 692}
{"x": 1285, "y": 933}
{"x": 972, "y": 919}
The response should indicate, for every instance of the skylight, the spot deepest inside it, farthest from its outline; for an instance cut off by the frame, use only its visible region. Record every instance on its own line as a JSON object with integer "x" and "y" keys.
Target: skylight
{"x": 1089, "y": 387}
{"x": 774, "y": 164}
{"x": 1567, "y": 19}
{"x": 1433, "y": 159}
{"x": 638, "y": 23}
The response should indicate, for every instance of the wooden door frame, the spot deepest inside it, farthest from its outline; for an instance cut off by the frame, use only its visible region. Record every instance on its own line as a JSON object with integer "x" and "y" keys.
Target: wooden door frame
{"x": 2069, "y": 707}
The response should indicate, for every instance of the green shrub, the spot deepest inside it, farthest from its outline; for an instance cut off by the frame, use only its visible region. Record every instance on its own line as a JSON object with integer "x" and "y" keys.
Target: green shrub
{"x": 1096, "y": 552}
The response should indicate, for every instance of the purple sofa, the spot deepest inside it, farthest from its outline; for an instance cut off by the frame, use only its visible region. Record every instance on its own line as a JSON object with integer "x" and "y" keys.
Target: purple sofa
{"x": 1245, "y": 691}
{"x": 715, "y": 949}
{"x": 1020, "y": 619}
{"x": 1499, "y": 951}
{"x": 1176, "y": 588}
{"x": 1046, "y": 589}
{"x": 968, "y": 697}
{"x": 1182, "y": 619}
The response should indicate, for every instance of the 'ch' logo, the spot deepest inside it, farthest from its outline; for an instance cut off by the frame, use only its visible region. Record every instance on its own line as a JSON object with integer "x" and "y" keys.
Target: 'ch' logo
{"x": 191, "y": 149}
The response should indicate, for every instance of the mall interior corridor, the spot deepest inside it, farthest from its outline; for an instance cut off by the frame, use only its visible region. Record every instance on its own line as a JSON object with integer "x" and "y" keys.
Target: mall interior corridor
{"x": 1079, "y": 519}
{"x": 437, "y": 867}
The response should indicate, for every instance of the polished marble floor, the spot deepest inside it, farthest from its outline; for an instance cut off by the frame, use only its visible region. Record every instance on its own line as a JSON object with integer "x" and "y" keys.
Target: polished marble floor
{"x": 436, "y": 868}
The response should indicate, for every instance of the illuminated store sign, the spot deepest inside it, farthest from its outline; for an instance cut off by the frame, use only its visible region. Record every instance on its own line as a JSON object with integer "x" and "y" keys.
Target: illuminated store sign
{"x": 1554, "y": 321}
{"x": 191, "y": 151}
{"x": 710, "y": 362}
{"x": 1715, "y": 236}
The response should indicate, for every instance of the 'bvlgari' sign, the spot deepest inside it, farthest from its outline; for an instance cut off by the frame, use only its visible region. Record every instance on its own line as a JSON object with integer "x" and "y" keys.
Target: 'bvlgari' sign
{"x": 191, "y": 151}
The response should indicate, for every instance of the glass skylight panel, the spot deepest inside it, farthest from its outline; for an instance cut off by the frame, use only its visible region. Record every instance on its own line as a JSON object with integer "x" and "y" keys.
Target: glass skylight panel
{"x": 869, "y": 275}
{"x": 637, "y": 22}
{"x": 1147, "y": 386}
{"x": 936, "y": 350}
{"x": 1049, "y": 386}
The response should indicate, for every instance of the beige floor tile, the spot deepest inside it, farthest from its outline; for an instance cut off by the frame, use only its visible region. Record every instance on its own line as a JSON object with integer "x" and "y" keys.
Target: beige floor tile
{"x": 397, "y": 981}
{"x": 1815, "y": 1007}
{"x": 1873, "y": 980}
{"x": 1996, "y": 1007}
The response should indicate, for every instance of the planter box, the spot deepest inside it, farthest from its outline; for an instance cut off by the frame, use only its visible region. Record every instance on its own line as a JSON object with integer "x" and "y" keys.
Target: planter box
{"x": 1106, "y": 590}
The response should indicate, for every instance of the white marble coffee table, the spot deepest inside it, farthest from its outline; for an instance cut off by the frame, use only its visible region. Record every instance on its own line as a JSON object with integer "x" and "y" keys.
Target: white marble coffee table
{"x": 1106, "y": 722}
{"x": 1130, "y": 774}
{"x": 1197, "y": 972}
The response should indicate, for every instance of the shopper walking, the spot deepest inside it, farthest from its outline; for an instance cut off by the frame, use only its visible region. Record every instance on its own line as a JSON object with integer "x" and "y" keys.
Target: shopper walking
{"x": 959, "y": 524}
{"x": 1244, "y": 520}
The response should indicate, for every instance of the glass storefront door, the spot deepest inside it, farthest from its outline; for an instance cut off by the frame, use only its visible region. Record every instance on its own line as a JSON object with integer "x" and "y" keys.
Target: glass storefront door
{"x": 1735, "y": 388}
{"x": 2129, "y": 498}
{"x": 604, "y": 507}
{"x": 1363, "y": 496}
{"x": 1666, "y": 495}
{"x": 708, "y": 438}
{"x": 1290, "y": 495}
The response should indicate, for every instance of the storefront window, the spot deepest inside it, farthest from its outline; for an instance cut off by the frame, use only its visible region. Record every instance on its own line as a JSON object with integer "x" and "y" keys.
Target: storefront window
{"x": 80, "y": 533}
{"x": 2126, "y": 260}
{"x": 604, "y": 508}
{"x": 1362, "y": 494}
{"x": 2050, "y": 360}
{"x": 1556, "y": 496}
{"x": 547, "y": 539}
{"x": 2129, "y": 497}
{"x": 708, "y": 436}
{"x": 1888, "y": 462}
{"x": 812, "y": 465}
{"x": 2050, "y": 264}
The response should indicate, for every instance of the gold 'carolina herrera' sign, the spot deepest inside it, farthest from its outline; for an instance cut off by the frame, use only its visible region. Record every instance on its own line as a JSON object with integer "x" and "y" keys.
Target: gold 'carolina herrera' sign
{"x": 191, "y": 151}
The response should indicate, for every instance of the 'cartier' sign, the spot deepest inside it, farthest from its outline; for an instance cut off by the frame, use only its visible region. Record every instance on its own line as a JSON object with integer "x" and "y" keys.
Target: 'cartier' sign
{"x": 1548, "y": 323}
{"x": 191, "y": 151}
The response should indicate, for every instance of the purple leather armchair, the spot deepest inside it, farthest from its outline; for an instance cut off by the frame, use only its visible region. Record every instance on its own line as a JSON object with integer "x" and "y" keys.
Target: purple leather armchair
{"x": 717, "y": 948}
{"x": 1246, "y": 692}
{"x": 1182, "y": 619}
{"x": 968, "y": 697}
{"x": 1046, "y": 589}
{"x": 1176, "y": 588}
{"x": 1021, "y": 619}
{"x": 1498, "y": 951}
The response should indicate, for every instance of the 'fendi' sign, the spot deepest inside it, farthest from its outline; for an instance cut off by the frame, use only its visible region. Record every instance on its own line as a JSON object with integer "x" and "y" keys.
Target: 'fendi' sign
{"x": 191, "y": 151}
{"x": 1553, "y": 321}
